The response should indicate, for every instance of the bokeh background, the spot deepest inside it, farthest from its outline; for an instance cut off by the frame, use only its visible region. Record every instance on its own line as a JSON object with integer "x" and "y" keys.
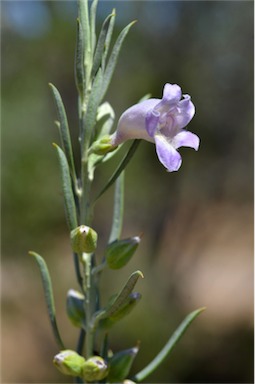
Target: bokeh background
{"x": 197, "y": 247}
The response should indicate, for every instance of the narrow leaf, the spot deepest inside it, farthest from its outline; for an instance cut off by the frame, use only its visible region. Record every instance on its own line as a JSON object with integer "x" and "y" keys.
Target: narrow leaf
{"x": 79, "y": 60}
{"x": 120, "y": 168}
{"x": 93, "y": 10}
{"x": 113, "y": 58}
{"x": 120, "y": 300}
{"x": 48, "y": 293}
{"x": 129, "y": 305}
{"x": 64, "y": 129}
{"x": 70, "y": 208}
{"x": 123, "y": 296}
{"x": 108, "y": 38}
{"x": 83, "y": 16}
{"x": 120, "y": 365}
{"x": 100, "y": 45}
{"x": 118, "y": 209}
{"x": 168, "y": 347}
{"x": 91, "y": 113}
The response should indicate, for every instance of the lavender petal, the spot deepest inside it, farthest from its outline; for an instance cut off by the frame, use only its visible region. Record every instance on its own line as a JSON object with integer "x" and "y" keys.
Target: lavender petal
{"x": 186, "y": 139}
{"x": 167, "y": 154}
{"x": 151, "y": 122}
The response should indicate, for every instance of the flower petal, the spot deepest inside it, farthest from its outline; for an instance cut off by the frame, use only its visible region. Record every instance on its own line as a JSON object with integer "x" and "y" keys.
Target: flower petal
{"x": 171, "y": 96}
{"x": 186, "y": 106}
{"x": 151, "y": 122}
{"x": 167, "y": 154}
{"x": 186, "y": 112}
{"x": 186, "y": 139}
{"x": 132, "y": 123}
{"x": 172, "y": 93}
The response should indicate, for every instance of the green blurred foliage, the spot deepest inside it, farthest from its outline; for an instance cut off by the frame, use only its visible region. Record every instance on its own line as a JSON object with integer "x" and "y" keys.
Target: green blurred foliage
{"x": 206, "y": 48}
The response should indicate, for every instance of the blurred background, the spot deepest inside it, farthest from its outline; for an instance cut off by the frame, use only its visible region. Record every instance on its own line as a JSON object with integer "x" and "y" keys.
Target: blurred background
{"x": 197, "y": 247}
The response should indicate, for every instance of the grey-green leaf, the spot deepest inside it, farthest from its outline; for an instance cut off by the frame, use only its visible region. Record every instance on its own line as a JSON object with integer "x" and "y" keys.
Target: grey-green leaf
{"x": 113, "y": 58}
{"x": 108, "y": 38}
{"x": 130, "y": 153}
{"x": 100, "y": 45}
{"x": 69, "y": 201}
{"x": 118, "y": 209}
{"x": 48, "y": 293}
{"x": 123, "y": 296}
{"x": 168, "y": 347}
{"x": 119, "y": 301}
{"x": 79, "y": 61}
{"x": 83, "y": 15}
{"x": 93, "y": 10}
{"x": 64, "y": 130}
{"x": 91, "y": 113}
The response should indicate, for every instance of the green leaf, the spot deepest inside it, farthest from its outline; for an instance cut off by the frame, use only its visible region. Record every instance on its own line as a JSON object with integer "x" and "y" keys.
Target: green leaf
{"x": 79, "y": 61}
{"x": 120, "y": 168}
{"x": 100, "y": 45}
{"x": 119, "y": 252}
{"x": 123, "y": 296}
{"x": 118, "y": 209}
{"x": 145, "y": 97}
{"x": 105, "y": 119}
{"x": 91, "y": 113}
{"x": 120, "y": 300}
{"x": 113, "y": 58}
{"x": 120, "y": 365}
{"x": 83, "y": 16}
{"x": 108, "y": 38}
{"x": 75, "y": 308}
{"x": 168, "y": 347}
{"x": 70, "y": 208}
{"x": 124, "y": 310}
{"x": 93, "y": 10}
{"x": 64, "y": 130}
{"x": 48, "y": 293}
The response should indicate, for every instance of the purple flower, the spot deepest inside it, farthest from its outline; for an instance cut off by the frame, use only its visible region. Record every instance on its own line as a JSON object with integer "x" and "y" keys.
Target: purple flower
{"x": 160, "y": 122}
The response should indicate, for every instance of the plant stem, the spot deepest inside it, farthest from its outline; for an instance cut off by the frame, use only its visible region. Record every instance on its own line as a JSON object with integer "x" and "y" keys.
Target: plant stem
{"x": 88, "y": 305}
{"x": 80, "y": 343}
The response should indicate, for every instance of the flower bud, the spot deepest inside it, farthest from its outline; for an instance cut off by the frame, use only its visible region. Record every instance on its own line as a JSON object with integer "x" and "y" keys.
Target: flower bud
{"x": 69, "y": 363}
{"x": 102, "y": 146}
{"x": 120, "y": 252}
{"x": 94, "y": 369}
{"x": 120, "y": 364}
{"x": 83, "y": 239}
{"x": 75, "y": 307}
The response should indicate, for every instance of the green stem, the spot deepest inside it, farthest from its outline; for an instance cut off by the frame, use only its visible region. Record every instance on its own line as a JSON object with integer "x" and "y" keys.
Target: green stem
{"x": 77, "y": 270}
{"x": 85, "y": 216}
{"x": 89, "y": 342}
{"x": 80, "y": 343}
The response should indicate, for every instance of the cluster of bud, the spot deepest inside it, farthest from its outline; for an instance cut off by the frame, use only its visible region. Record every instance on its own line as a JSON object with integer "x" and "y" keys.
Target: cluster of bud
{"x": 72, "y": 364}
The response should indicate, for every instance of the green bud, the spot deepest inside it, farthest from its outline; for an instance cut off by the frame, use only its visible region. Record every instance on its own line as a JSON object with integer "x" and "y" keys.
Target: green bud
{"x": 75, "y": 307}
{"x": 94, "y": 369}
{"x": 83, "y": 239}
{"x": 69, "y": 363}
{"x": 120, "y": 365}
{"x": 120, "y": 252}
{"x": 102, "y": 146}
